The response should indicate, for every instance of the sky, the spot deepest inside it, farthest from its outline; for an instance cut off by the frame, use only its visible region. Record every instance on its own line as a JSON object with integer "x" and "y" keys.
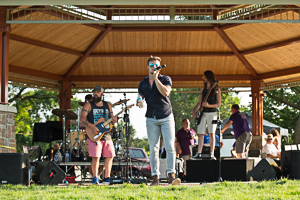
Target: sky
{"x": 137, "y": 115}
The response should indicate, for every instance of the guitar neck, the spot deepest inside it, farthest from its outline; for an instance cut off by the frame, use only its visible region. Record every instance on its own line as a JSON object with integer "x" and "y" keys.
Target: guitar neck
{"x": 108, "y": 121}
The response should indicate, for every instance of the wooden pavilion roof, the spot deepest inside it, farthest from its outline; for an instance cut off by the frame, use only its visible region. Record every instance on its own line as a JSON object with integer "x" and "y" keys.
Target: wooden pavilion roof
{"x": 115, "y": 55}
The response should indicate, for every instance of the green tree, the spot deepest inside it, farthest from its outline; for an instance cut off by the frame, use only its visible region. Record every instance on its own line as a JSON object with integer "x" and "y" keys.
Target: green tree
{"x": 282, "y": 107}
{"x": 32, "y": 106}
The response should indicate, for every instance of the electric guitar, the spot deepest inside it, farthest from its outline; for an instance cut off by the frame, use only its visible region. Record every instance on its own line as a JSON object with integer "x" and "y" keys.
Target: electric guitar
{"x": 199, "y": 112}
{"x": 103, "y": 126}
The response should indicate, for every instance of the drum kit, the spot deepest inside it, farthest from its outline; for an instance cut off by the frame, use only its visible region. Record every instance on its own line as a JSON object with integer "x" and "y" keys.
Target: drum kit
{"x": 76, "y": 140}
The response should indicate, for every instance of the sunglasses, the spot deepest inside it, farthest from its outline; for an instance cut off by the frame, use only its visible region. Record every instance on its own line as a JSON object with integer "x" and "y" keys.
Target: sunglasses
{"x": 152, "y": 65}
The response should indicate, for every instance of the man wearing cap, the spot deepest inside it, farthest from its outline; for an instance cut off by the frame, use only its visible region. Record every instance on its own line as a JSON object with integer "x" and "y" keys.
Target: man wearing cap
{"x": 271, "y": 150}
{"x": 241, "y": 129}
{"x": 90, "y": 114}
{"x": 156, "y": 89}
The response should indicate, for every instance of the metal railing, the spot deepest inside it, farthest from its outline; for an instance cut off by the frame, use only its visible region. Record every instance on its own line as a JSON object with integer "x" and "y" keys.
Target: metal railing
{"x": 74, "y": 14}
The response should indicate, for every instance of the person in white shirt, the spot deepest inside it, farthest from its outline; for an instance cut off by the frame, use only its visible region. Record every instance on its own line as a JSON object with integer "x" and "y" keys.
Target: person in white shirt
{"x": 270, "y": 149}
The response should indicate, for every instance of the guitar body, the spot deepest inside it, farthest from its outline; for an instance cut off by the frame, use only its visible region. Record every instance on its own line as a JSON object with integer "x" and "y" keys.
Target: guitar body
{"x": 96, "y": 137}
{"x": 199, "y": 113}
{"x": 198, "y": 116}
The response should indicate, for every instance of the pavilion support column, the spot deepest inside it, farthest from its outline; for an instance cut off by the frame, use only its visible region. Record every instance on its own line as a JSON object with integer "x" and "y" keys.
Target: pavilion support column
{"x": 5, "y": 30}
{"x": 257, "y": 107}
{"x": 65, "y": 98}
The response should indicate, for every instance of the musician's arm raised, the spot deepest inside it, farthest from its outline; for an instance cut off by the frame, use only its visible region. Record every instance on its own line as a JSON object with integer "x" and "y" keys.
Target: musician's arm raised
{"x": 164, "y": 90}
{"x": 83, "y": 118}
{"x": 111, "y": 114}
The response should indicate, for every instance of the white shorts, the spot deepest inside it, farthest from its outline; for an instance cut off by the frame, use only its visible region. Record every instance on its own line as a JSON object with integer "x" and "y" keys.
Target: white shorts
{"x": 206, "y": 121}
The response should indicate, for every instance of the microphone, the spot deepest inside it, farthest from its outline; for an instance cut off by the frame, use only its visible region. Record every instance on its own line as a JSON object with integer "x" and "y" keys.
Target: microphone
{"x": 73, "y": 84}
{"x": 157, "y": 68}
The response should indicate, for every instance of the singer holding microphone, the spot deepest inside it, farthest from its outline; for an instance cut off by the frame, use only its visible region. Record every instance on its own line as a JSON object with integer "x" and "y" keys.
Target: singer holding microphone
{"x": 156, "y": 89}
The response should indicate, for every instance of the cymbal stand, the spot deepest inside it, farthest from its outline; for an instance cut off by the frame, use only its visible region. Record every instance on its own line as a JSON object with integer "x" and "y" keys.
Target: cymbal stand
{"x": 126, "y": 122}
{"x": 77, "y": 139}
{"x": 65, "y": 123}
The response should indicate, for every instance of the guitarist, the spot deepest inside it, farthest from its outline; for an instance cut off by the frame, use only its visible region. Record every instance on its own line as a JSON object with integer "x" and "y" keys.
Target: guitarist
{"x": 92, "y": 112}
{"x": 209, "y": 112}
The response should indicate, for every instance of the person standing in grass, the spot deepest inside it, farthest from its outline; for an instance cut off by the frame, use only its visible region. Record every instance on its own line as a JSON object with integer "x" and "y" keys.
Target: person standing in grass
{"x": 156, "y": 89}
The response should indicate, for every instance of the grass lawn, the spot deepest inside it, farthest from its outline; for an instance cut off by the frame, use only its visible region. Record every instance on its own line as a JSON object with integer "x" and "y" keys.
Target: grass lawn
{"x": 281, "y": 189}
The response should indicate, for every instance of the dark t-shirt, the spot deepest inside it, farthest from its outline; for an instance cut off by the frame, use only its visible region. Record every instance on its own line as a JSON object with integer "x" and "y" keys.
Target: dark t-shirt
{"x": 184, "y": 139}
{"x": 240, "y": 123}
{"x": 157, "y": 105}
{"x": 99, "y": 112}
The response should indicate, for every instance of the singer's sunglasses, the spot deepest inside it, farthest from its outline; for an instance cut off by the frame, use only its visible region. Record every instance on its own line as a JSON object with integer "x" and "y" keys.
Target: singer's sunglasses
{"x": 152, "y": 65}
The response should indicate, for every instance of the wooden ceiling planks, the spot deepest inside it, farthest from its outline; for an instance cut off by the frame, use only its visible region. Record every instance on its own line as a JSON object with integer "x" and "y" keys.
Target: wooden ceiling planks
{"x": 167, "y": 41}
{"x": 275, "y": 59}
{"x": 73, "y": 36}
{"x": 37, "y": 58}
{"x": 248, "y": 36}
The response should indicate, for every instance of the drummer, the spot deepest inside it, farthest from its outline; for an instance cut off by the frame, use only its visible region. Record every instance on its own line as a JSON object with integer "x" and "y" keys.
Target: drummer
{"x": 88, "y": 98}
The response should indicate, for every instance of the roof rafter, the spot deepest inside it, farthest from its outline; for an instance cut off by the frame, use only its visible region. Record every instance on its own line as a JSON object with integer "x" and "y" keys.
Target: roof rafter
{"x": 235, "y": 50}
{"x": 88, "y": 51}
{"x": 283, "y": 72}
{"x": 140, "y": 77}
{"x": 35, "y": 73}
{"x": 45, "y": 45}
{"x": 165, "y": 54}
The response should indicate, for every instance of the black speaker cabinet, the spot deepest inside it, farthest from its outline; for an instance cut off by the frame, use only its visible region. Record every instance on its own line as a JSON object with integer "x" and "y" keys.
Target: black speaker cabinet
{"x": 208, "y": 170}
{"x": 264, "y": 170}
{"x": 48, "y": 173}
{"x": 14, "y": 168}
{"x": 290, "y": 164}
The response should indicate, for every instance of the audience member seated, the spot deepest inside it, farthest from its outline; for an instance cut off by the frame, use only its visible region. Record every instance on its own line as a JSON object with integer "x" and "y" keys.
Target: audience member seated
{"x": 270, "y": 149}
{"x": 277, "y": 139}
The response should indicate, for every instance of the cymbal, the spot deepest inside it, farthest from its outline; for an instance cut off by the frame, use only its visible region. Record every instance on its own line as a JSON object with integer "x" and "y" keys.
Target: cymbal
{"x": 120, "y": 102}
{"x": 61, "y": 112}
{"x": 128, "y": 107}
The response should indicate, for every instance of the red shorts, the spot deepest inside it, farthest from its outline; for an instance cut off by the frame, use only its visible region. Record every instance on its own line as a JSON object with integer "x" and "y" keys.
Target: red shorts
{"x": 104, "y": 147}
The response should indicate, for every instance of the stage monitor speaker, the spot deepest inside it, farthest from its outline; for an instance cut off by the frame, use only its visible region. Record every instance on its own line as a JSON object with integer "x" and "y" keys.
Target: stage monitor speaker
{"x": 208, "y": 170}
{"x": 14, "y": 168}
{"x": 290, "y": 164}
{"x": 233, "y": 169}
{"x": 48, "y": 172}
{"x": 202, "y": 170}
{"x": 266, "y": 169}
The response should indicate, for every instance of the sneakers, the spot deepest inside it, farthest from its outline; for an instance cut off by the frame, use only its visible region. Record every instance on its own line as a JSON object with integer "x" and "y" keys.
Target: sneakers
{"x": 212, "y": 157}
{"x": 106, "y": 181}
{"x": 197, "y": 156}
{"x": 172, "y": 180}
{"x": 95, "y": 181}
{"x": 155, "y": 181}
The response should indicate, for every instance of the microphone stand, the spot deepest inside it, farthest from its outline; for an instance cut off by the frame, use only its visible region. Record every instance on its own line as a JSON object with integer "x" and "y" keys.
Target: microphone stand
{"x": 65, "y": 123}
{"x": 219, "y": 123}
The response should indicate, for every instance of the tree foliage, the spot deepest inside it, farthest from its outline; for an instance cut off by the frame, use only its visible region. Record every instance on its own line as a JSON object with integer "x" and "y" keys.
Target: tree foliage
{"x": 32, "y": 106}
{"x": 282, "y": 107}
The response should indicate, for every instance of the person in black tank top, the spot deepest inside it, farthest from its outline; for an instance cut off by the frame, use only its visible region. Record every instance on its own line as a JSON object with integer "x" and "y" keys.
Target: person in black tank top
{"x": 209, "y": 100}
{"x": 92, "y": 112}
